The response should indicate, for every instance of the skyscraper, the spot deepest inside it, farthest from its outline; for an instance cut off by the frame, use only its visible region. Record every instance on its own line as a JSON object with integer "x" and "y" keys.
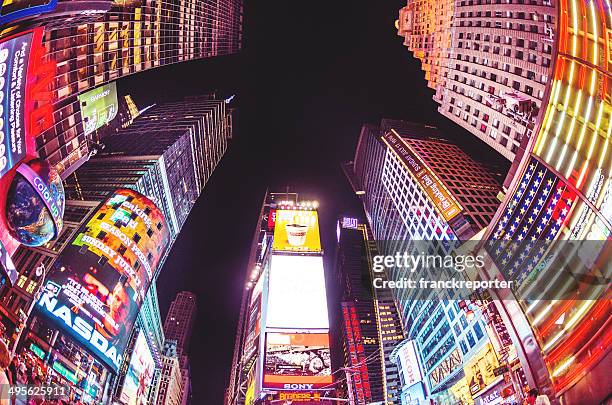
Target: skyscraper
{"x": 179, "y": 321}
{"x": 561, "y": 197}
{"x": 284, "y": 310}
{"x": 130, "y": 38}
{"x": 421, "y": 193}
{"x": 178, "y": 327}
{"x": 167, "y": 153}
{"x": 368, "y": 326}
{"x": 170, "y": 382}
{"x": 489, "y": 63}
{"x": 170, "y": 161}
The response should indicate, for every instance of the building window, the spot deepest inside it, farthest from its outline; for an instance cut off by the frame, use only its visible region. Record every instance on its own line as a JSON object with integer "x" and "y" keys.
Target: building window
{"x": 478, "y": 331}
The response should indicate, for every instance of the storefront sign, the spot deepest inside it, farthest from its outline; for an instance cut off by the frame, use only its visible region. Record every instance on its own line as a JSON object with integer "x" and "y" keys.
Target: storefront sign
{"x": 64, "y": 372}
{"x": 500, "y": 370}
{"x": 40, "y": 353}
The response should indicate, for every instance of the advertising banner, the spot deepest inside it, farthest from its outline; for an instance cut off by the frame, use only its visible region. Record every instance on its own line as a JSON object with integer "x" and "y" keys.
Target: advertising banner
{"x": 99, "y": 106}
{"x": 12, "y": 10}
{"x": 479, "y": 370}
{"x": 296, "y": 293}
{"x": 297, "y": 361}
{"x": 296, "y": 231}
{"x": 139, "y": 374}
{"x": 450, "y": 365}
{"x": 433, "y": 187}
{"x": 14, "y": 60}
{"x": 97, "y": 284}
{"x": 410, "y": 364}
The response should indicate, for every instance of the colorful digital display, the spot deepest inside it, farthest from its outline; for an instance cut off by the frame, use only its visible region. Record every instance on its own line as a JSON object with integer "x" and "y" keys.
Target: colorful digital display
{"x": 297, "y": 361}
{"x": 97, "y": 284}
{"x": 99, "y": 107}
{"x": 479, "y": 369}
{"x": 139, "y": 374}
{"x": 433, "y": 187}
{"x": 14, "y": 60}
{"x": 296, "y": 294}
{"x": 16, "y": 9}
{"x": 296, "y": 231}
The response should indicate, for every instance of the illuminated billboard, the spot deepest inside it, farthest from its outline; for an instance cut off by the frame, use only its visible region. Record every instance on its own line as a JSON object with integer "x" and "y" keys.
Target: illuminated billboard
{"x": 98, "y": 106}
{"x": 14, "y": 60}
{"x": 139, "y": 374}
{"x": 296, "y": 231}
{"x": 12, "y": 10}
{"x": 296, "y": 293}
{"x": 479, "y": 369}
{"x": 297, "y": 361}
{"x": 429, "y": 182}
{"x": 97, "y": 284}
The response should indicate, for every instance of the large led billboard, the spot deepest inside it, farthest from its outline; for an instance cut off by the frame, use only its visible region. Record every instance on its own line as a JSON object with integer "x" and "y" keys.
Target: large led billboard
{"x": 97, "y": 284}
{"x": 98, "y": 106}
{"x": 296, "y": 231}
{"x": 14, "y": 60}
{"x": 297, "y": 361}
{"x": 296, "y": 293}
{"x": 139, "y": 374}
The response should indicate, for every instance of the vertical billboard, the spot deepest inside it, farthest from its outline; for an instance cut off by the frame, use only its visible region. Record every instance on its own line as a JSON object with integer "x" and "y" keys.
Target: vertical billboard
{"x": 139, "y": 374}
{"x": 410, "y": 364}
{"x": 479, "y": 369}
{"x": 297, "y": 361}
{"x": 296, "y": 231}
{"x": 14, "y": 60}
{"x": 96, "y": 286}
{"x": 296, "y": 294}
{"x": 99, "y": 106}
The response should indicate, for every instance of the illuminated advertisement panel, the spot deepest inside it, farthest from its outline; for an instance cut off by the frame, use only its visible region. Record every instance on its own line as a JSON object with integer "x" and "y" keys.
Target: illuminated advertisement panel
{"x": 433, "y": 187}
{"x": 297, "y": 361}
{"x": 479, "y": 369}
{"x": 296, "y": 231}
{"x": 450, "y": 365}
{"x": 11, "y": 10}
{"x": 410, "y": 364}
{"x": 139, "y": 374}
{"x": 98, "y": 107}
{"x": 14, "y": 60}
{"x": 97, "y": 284}
{"x": 296, "y": 294}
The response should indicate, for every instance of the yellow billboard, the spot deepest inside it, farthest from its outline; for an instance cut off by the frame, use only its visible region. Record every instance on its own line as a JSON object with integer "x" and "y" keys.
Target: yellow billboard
{"x": 479, "y": 369}
{"x": 296, "y": 231}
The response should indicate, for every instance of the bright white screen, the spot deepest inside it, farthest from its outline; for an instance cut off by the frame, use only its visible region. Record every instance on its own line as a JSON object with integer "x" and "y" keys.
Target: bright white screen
{"x": 297, "y": 298}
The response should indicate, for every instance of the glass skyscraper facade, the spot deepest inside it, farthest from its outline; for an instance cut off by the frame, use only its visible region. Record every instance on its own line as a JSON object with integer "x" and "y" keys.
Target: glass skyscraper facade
{"x": 405, "y": 218}
{"x": 131, "y": 37}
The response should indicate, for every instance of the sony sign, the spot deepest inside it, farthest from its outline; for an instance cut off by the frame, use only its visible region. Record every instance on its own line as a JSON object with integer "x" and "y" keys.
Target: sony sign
{"x": 298, "y": 386}
{"x": 81, "y": 327}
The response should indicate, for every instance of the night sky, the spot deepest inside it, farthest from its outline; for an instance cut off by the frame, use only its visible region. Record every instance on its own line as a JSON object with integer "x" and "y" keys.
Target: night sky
{"x": 309, "y": 76}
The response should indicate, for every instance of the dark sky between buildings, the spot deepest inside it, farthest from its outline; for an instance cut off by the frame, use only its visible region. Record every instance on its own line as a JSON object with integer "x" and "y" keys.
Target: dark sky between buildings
{"x": 309, "y": 76}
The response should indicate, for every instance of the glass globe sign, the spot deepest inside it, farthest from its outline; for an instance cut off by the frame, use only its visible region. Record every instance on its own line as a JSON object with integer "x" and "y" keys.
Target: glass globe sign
{"x": 35, "y": 203}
